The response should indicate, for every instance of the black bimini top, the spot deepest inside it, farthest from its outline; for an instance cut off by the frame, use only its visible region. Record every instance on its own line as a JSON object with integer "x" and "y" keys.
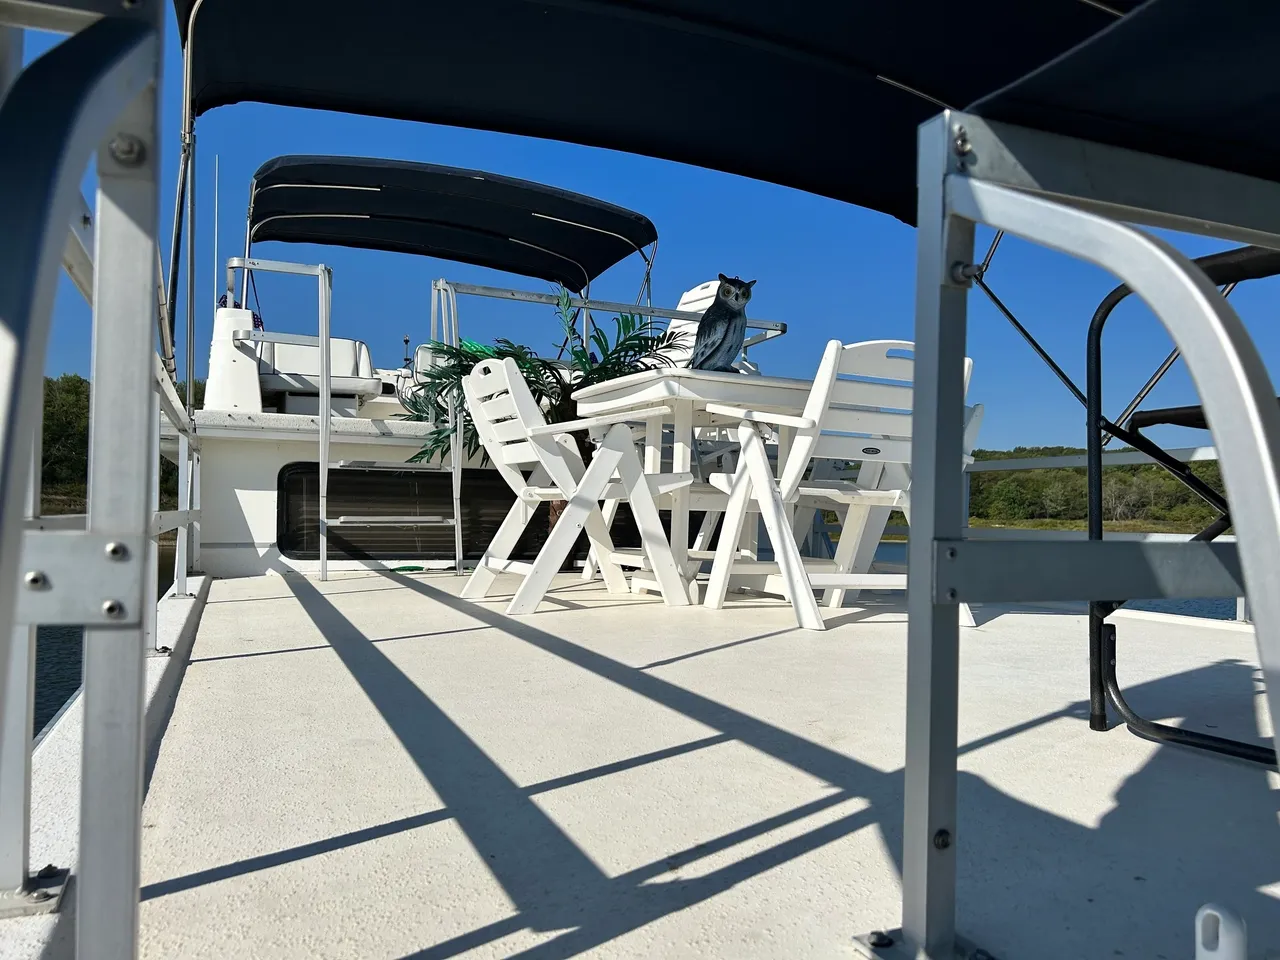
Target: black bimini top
{"x": 822, "y": 95}
{"x": 446, "y": 212}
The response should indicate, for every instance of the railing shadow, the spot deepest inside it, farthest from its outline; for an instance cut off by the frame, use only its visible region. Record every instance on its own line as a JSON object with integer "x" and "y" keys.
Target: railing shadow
{"x": 1184, "y": 828}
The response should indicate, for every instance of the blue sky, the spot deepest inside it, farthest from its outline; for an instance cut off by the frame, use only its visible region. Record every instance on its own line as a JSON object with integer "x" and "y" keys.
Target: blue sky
{"x": 830, "y": 270}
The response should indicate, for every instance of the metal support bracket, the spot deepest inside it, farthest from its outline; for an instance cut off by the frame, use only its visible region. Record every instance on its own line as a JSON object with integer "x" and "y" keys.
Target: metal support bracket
{"x": 42, "y": 894}
{"x": 889, "y": 945}
{"x": 1030, "y": 571}
{"x": 77, "y": 578}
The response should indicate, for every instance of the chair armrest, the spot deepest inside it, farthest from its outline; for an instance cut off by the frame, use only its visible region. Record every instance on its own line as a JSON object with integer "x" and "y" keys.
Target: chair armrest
{"x": 629, "y": 416}
{"x": 761, "y": 416}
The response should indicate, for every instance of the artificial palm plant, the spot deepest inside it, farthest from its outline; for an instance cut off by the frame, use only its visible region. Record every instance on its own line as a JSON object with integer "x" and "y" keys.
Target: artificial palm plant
{"x": 636, "y": 345}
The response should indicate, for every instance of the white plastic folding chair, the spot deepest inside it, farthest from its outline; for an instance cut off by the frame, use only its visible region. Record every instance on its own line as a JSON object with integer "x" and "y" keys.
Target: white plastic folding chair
{"x": 866, "y": 417}
{"x": 516, "y": 435}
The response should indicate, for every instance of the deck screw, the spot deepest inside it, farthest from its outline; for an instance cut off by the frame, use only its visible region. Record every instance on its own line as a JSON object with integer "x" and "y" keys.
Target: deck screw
{"x": 951, "y": 553}
{"x": 127, "y": 150}
{"x": 942, "y": 839}
{"x": 951, "y": 594}
{"x": 879, "y": 939}
{"x": 117, "y": 551}
{"x": 961, "y": 143}
{"x": 47, "y": 872}
{"x": 113, "y": 609}
{"x": 39, "y": 896}
{"x": 35, "y": 580}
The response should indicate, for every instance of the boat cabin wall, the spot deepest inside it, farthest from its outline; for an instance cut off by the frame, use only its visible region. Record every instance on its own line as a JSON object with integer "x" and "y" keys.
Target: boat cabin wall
{"x": 239, "y": 490}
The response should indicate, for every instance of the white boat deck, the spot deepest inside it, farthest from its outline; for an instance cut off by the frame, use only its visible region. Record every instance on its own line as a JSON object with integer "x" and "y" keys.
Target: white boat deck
{"x": 373, "y": 768}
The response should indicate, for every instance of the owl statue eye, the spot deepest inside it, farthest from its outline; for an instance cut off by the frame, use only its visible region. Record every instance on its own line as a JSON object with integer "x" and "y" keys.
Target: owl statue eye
{"x": 726, "y": 291}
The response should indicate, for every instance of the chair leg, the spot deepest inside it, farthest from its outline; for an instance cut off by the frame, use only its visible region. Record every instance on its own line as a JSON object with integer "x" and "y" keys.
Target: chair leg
{"x": 707, "y": 530}
{"x": 851, "y": 533}
{"x": 735, "y": 516}
{"x": 500, "y": 548}
{"x": 774, "y": 514}
{"x": 583, "y": 510}
{"x": 609, "y": 511}
{"x": 645, "y": 509}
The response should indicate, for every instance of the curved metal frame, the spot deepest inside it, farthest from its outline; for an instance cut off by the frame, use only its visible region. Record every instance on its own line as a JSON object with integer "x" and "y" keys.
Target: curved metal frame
{"x": 1001, "y": 178}
{"x": 1238, "y": 397}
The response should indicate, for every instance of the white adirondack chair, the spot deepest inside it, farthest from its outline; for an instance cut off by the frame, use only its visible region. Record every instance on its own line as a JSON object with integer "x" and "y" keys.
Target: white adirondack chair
{"x": 515, "y": 434}
{"x": 865, "y": 417}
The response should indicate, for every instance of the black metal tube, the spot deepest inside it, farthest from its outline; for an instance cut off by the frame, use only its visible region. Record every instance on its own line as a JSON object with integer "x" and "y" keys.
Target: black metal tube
{"x": 1026, "y": 335}
{"x": 1172, "y": 464}
{"x": 1093, "y": 483}
{"x": 1163, "y": 732}
{"x": 175, "y": 248}
{"x": 1215, "y": 529}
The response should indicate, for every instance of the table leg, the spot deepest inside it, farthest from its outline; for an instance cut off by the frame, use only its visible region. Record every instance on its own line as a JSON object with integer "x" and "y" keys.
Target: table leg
{"x": 682, "y": 462}
{"x": 653, "y": 445}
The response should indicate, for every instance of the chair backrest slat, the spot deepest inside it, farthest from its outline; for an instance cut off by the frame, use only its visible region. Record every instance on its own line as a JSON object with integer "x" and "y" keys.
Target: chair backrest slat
{"x": 862, "y": 400}
{"x": 504, "y": 410}
{"x": 518, "y": 453}
{"x": 875, "y": 422}
{"x": 501, "y": 407}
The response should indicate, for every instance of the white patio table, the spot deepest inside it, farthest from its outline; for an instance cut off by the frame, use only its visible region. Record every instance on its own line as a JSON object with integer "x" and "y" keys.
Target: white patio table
{"x": 687, "y": 392}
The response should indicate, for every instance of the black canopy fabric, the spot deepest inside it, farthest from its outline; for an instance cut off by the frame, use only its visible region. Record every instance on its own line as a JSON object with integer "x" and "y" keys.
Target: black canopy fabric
{"x": 822, "y": 95}
{"x": 1184, "y": 79}
{"x": 463, "y": 215}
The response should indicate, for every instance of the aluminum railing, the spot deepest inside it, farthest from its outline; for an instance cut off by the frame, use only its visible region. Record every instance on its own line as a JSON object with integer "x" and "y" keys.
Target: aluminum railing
{"x": 95, "y": 92}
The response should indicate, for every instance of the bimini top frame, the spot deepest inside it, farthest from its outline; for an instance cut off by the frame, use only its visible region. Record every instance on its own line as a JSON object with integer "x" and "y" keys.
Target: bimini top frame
{"x": 467, "y": 216}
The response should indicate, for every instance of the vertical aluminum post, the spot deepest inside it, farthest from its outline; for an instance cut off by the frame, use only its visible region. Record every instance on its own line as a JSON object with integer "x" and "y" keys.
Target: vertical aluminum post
{"x": 325, "y": 414}
{"x": 121, "y": 450}
{"x": 181, "y": 555}
{"x": 195, "y": 505}
{"x": 933, "y": 632}
{"x": 19, "y": 690}
{"x": 151, "y": 589}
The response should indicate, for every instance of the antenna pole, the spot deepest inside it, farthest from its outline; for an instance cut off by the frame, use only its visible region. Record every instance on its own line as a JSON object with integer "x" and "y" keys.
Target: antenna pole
{"x": 215, "y": 234}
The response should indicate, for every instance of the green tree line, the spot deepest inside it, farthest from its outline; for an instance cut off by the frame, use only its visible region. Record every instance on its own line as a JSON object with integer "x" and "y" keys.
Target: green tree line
{"x": 1129, "y": 493}
{"x": 64, "y": 462}
{"x": 1142, "y": 494}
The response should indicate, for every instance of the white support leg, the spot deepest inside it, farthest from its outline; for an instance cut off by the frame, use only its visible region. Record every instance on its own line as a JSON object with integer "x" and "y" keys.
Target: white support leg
{"x": 735, "y": 516}
{"x": 583, "y": 511}
{"x": 645, "y": 510}
{"x": 681, "y": 462}
{"x": 591, "y": 565}
{"x": 706, "y": 530}
{"x": 773, "y": 513}
{"x": 500, "y": 548}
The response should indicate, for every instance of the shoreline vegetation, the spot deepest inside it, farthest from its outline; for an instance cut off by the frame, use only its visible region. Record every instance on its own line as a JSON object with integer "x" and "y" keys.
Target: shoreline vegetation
{"x": 1140, "y": 498}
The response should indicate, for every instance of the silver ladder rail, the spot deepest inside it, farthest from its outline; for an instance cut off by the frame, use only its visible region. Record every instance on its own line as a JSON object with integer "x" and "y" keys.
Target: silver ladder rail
{"x": 94, "y": 92}
{"x": 1070, "y": 196}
